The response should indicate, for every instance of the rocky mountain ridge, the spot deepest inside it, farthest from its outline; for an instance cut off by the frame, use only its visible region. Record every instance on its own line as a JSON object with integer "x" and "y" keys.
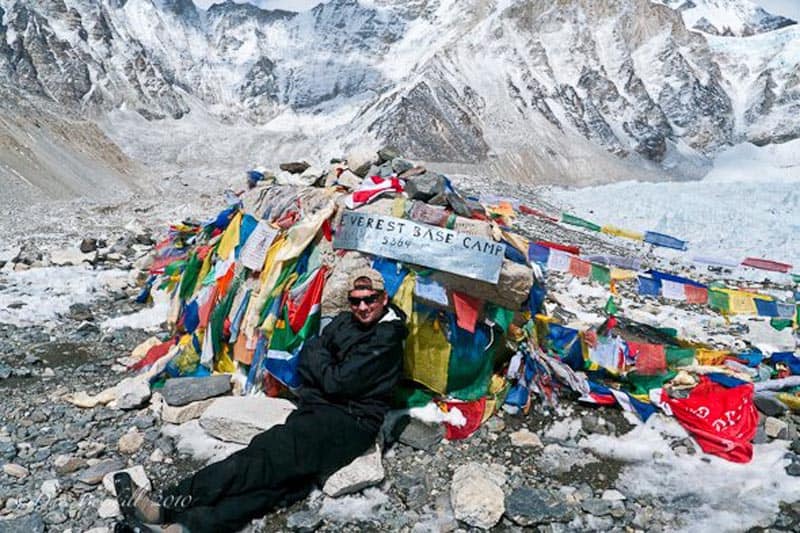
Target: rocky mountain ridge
{"x": 571, "y": 92}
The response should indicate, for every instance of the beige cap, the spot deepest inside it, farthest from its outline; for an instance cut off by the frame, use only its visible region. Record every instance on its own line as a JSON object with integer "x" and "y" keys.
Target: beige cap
{"x": 374, "y": 277}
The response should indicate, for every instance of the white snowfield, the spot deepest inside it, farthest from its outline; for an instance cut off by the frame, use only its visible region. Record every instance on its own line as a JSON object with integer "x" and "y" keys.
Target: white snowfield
{"x": 748, "y": 205}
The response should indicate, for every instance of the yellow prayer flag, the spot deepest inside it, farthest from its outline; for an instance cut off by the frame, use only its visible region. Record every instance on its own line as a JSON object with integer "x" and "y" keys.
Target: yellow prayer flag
{"x": 230, "y": 239}
{"x": 427, "y": 355}
{"x": 708, "y": 357}
{"x": 620, "y": 232}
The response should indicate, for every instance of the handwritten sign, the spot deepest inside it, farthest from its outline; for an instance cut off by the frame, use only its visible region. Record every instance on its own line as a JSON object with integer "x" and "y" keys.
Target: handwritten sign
{"x": 254, "y": 251}
{"x": 430, "y": 246}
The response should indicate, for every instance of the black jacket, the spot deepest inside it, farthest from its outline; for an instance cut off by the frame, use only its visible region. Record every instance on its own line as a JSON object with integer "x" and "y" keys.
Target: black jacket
{"x": 354, "y": 366}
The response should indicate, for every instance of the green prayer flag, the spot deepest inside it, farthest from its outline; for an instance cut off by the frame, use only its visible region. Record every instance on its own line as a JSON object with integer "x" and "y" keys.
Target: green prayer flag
{"x": 611, "y": 307}
{"x": 781, "y": 323}
{"x": 796, "y": 278}
{"x": 572, "y": 220}
{"x": 679, "y": 356}
{"x": 601, "y": 274}
{"x": 718, "y": 300}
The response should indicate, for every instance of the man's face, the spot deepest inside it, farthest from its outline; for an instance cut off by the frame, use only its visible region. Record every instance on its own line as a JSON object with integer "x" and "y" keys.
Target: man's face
{"x": 367, "y": 305}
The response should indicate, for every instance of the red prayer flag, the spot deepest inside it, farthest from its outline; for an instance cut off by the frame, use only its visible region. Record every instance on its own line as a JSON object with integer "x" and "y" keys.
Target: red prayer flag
{"x": 298, "y": 313}
{"x": 472, "y": 411}
{"x": 467, "y": 309}
{"x": 766, "y": 264}
{"x": 579, "y": 267}
{"x": 722, "y": 420}
{"x": 651, "y": 359}
{"x": 695, "y": 295}
{"x": 574, "y": 250}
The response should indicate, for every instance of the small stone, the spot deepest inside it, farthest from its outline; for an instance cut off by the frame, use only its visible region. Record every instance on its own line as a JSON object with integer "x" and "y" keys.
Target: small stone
{"x": 184, "y": 413}
{"x": 596, "y": 506}
{"x": 776, "y": 428}
{"x": 132, "y": 393}
{"x": 182, "y": 391}
{"x": 476, "y": 495}
{"x": 66, "y": 464}
{"x": 108, "y": 508}
{"x": 55, "y": 517}
{"x": 31, "y": 523}
{"x": 95, "y": 473}
{"x": 793, "y": 469}
{"x": 296, "y": 167}
{"x": 613, "y": 495}
{"x": 48, "y": 373}
{"x": 421, "y": 436}
{"x": 157, "y": 456}
{"x": 527, "y": 506}
{"x": 130, "y": 442}
{"x": 364, "y": 471}
{"x": 304, "y": 521}
{"x": 769, "y": 404}
{"x": 15, "y": 470}
{"x": 51, "y": 488}
{"x": 88, "y": 245}
{"x": 495, "y": 424}
{"x": 525, "y": 439}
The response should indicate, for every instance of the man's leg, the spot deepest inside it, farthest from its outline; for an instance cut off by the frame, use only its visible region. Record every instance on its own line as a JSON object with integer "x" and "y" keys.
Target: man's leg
{"x": 233, "y": 513}
{"x": 312, "y": 442}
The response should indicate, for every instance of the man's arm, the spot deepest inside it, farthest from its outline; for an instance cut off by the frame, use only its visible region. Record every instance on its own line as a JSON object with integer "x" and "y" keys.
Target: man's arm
{"x": 363, "y": 369}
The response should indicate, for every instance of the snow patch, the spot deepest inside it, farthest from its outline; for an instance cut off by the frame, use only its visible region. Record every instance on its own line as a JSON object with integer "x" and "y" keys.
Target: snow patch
{"x": 657, "y": 471}
{"x": 39, "y": 296}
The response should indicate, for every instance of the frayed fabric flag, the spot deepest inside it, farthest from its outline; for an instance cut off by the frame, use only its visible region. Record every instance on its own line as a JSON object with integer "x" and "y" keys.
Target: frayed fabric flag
{"x": 722, "y": 420}
{"x": 572, "y": 220}
{"x": 467, "y": 310}
{"x": 601, "y": 274}
{"x": 673, "y": 290}
{"x": 558, "y": 261}
{"x": 766, "y": 264}
{"x": 650, "y": 359}
{"x": 574, "y": 250}
{"x": 538, "y": 253}
{"x": 472, "y": 412}
{"x": 649, "y": 286}
{"x": 393, "y": 273}
{"x": 766, "y": 307}
{"x": 580, "y": 268}
{"x": 431, "y": 291}
{"x": 666, "y": 241}
{"x": 696, "y": 295}
{"x": 624, "y": 233}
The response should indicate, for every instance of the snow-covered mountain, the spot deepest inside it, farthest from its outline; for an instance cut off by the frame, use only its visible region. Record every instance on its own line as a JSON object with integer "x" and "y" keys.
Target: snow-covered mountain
{"x": 570, "y": 92}
{"x": 727, "y": 17}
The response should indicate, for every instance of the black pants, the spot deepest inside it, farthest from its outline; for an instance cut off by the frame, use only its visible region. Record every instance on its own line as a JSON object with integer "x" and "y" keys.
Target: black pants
{"x": 278, "y": 467}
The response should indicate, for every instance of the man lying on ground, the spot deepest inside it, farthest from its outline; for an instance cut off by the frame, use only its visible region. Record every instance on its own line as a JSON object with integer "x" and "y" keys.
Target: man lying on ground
{"x": 348, "y": 375}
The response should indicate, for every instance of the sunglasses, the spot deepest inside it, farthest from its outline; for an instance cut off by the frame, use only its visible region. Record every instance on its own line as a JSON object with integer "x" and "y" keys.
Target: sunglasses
{"x": 355, "y": 301}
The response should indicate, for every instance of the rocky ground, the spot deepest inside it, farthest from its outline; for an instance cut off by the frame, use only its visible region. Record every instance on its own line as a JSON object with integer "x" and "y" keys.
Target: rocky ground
{"x": 536, "y": 471}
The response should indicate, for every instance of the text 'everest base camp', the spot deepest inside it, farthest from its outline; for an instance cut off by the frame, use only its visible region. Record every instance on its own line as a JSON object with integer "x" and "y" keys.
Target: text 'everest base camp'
{"x": 427, "y": 332}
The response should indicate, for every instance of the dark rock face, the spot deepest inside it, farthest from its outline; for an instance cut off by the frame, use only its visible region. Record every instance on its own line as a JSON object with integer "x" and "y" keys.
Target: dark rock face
{"x": 431, "y": 123}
